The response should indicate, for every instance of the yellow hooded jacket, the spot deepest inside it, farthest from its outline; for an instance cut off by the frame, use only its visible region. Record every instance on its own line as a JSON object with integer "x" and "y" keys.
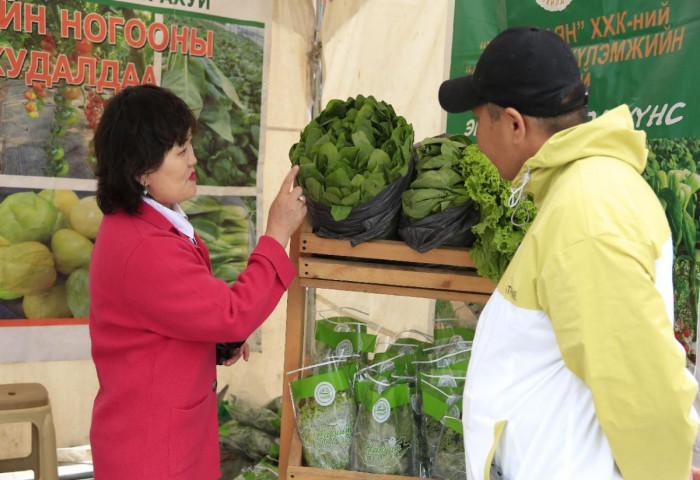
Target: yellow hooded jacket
{"x": 575, "y": 372}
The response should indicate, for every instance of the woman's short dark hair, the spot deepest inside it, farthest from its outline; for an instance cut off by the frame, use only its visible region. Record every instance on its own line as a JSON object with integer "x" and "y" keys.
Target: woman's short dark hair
{"x": 138, "y": 127}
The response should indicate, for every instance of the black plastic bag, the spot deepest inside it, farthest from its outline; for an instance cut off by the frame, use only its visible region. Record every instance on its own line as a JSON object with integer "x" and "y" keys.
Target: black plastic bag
{"x": 451, "y": 227}
{"x": 376, "y": 218}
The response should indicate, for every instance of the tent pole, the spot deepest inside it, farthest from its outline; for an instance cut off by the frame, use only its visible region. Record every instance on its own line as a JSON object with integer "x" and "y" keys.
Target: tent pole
{"x": 316, "y": 60}
{"x": 315, "y": 57}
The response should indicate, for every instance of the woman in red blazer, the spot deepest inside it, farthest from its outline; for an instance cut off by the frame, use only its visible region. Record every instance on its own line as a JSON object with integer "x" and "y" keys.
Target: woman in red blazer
{"x": 156, "y": 310}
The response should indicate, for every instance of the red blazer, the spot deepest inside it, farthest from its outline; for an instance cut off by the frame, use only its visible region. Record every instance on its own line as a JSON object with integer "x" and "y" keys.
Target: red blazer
{"x": 156, "y": 313}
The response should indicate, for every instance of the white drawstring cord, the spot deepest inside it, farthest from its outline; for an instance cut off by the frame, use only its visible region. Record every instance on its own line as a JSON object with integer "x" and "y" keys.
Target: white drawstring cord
{"x": 516, "y": 200}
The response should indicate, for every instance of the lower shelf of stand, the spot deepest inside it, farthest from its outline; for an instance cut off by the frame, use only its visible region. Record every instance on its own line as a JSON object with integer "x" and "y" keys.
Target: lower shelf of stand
{"x": 308, "y": 473}
{"x": 295, "y": 471}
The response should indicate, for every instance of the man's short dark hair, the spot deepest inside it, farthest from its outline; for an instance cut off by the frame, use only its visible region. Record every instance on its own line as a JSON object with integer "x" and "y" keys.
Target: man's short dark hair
{"x": 138, "y": 127}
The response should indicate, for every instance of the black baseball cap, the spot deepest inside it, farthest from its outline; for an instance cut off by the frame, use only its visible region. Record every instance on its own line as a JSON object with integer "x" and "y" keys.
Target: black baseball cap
{"x": 527, "y": 68}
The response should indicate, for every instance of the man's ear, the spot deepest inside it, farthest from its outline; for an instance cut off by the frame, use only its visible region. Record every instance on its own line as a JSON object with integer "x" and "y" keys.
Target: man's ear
{"x": 516, "y": 124}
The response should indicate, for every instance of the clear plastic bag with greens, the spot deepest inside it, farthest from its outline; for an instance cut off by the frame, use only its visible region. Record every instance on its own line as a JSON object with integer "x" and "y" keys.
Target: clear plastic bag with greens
{"x": 450, "y": 459}
{"x": 343, "y": 336}
{"x": 249, "y": 441}
{"x": 261, "y": 418}
{"x": 420, "y": 468}
{"x": 437, "y": 403}
{"x": 447, "y": 353}
{"x": 441, "y": 376}
{"x": 452, "y": 375}
{"x": 454, "y": 330}
{"x": 325, "y": 413}
{"x": 407, "y": 341}
{"x": 391, "y": 362}
{"x": 265, "y": 469}
{"x": 384, "y": 430}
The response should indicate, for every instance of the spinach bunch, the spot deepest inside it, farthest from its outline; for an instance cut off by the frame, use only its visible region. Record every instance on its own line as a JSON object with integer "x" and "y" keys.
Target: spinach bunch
{"x": 351, "y": 151}
{"x": 439, "y": 183}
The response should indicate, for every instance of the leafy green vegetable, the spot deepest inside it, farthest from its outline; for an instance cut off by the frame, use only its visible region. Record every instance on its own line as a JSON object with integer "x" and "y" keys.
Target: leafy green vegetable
{"x": 672, "y": 172}
{"x": 439, "y": 184}
{"x": 384, "y": 431}
{"x": 454, "y": 334}
{"x": 225, "y": 231}
{"x": 438, "y": 401}
{"x": 261, "y": 418}
{"x": 225, "y": 92}
{"x": 27, "y": 268}
{"x": 497, "y": 238}
{"x": 326, "y": 432}
{"x": 250, "y": 441}
{"x": 263, "y": 470}
{"x": 351, "y": 151}
{"x": 325, "y": 414}
{"x": 340, "y": 337}
{"x": 450, "y": 461}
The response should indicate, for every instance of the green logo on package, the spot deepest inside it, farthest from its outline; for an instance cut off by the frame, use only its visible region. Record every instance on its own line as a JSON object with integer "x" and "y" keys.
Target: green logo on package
{"x": 381, "y": 410}
{"x": 324, "y": 394}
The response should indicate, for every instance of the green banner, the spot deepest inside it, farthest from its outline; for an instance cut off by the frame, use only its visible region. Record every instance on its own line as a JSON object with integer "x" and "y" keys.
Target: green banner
{"x": 641, "y": 53}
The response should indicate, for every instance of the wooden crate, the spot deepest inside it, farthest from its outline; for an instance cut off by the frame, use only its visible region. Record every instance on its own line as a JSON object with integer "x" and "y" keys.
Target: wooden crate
{"x": 378, "y": 266}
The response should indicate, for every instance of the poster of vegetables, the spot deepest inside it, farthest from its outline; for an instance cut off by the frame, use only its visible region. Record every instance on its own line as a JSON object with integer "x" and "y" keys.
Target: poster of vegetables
{"x": 629, "y": 54}
{"x": 60, "y": 63}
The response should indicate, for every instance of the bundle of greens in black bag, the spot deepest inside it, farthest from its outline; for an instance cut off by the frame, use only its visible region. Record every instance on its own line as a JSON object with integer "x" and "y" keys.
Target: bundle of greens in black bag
{"x": 355, "y": 159}
{"x": 436, "y": 208}
{"x": 439, "y": 184}
{"x": 351, "y": 151}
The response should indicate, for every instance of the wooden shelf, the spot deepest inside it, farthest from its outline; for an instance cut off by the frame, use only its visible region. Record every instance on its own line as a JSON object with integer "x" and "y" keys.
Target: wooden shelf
{"x": 386, "y": 267}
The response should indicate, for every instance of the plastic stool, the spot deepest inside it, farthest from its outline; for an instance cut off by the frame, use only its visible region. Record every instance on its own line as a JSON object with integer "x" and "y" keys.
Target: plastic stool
{"x": 29, "y": 402}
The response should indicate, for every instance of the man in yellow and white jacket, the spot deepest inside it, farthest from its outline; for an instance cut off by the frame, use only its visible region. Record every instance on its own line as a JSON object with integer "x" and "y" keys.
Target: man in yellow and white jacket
{"x": 575, "y": 372}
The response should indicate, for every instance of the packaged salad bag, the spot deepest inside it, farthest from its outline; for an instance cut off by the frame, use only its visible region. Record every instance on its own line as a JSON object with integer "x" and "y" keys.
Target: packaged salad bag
{"x": 342, "y": 332}
{"x": 449, "y": 462}
{"x": 384, "y": 429}
{"x": 325, "y": 413}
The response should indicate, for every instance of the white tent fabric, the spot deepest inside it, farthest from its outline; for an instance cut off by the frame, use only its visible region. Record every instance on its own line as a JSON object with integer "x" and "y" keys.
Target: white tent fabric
{"x": 396, "y": 50}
